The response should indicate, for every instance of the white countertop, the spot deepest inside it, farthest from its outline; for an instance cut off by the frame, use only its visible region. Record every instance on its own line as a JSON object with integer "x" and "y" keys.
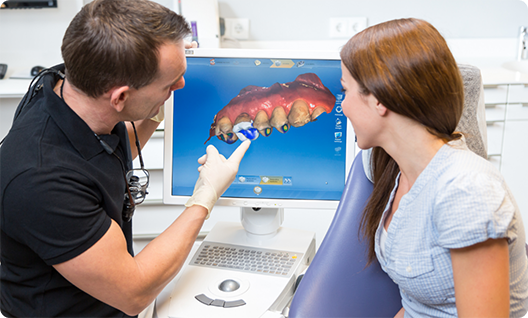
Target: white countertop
{"x": 493, "y": 73}
{"x": 13, "y": 88}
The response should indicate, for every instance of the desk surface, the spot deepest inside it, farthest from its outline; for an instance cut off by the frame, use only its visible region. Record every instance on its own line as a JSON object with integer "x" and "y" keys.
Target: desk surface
{"x": 14, "y": 88}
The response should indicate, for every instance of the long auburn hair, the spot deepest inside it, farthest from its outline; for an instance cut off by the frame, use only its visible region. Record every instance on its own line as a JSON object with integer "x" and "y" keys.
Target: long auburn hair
{"x": 408, "y": 67}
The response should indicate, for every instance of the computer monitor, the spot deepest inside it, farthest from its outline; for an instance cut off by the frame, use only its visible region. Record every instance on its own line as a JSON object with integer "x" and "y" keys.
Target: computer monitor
{"x": 290, "y": 101}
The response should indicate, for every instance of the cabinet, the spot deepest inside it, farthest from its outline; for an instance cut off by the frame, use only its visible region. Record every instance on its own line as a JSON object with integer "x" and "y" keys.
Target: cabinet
{"x": 496, "y": 100}
{"x": 507, "y": 128}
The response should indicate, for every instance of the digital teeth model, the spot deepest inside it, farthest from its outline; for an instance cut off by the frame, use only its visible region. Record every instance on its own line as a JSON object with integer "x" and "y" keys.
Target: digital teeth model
{"x": 257, "y": 110}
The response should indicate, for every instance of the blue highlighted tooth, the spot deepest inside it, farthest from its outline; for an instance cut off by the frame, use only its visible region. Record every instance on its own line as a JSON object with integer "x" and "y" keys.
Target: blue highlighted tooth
{"x": 245, "y": 130}
{"x": 250, "y": 133}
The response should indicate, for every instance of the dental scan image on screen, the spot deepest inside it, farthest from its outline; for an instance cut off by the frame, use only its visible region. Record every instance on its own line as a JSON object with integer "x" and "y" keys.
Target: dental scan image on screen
{"x": 291, "y": 110}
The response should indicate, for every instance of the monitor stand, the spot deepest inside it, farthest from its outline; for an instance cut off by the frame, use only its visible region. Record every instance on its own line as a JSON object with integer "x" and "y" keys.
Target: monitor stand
{"x": 199, "y": 292}
{"x": 261, "y": 224}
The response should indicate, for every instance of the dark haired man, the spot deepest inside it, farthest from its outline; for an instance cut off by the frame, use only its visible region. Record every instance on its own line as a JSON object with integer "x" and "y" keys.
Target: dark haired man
{"x": 66, "y": 244}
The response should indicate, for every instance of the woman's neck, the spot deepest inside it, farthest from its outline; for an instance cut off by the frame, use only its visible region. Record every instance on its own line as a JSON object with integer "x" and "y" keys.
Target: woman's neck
{"x": 413, "y": 147}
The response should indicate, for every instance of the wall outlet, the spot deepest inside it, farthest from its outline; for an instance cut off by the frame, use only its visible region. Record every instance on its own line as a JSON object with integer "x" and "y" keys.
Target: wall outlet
{"x": 338, "y": 27}
{"x": 237, "y": 28}
{"x": 356, "y": 25}
{"x": 346, "y": 27}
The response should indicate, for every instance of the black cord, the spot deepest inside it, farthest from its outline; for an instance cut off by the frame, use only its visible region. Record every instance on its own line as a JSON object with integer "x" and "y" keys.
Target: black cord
{"x": 32, "y": 91}
{"x": 138, "y": 146}
{"x": 61, "y": 89}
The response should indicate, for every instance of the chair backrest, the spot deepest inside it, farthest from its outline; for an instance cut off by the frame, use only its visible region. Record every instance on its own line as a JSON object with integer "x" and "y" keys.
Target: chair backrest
{"x": 338, "y": 283}
{"x": 473, "y": 120}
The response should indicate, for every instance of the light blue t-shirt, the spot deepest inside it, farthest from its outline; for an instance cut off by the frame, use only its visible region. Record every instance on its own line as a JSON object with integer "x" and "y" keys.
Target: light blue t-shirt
{"x": 460, "y": 199}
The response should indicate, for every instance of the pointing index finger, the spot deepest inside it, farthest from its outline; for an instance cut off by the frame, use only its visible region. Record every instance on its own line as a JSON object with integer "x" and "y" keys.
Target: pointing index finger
{"x": 238, "y": 154}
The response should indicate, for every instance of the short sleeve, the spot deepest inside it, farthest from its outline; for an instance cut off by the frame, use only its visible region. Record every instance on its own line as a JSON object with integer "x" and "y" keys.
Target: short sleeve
{"x": 472, "y": 207}
{"x": 55, "y": 212}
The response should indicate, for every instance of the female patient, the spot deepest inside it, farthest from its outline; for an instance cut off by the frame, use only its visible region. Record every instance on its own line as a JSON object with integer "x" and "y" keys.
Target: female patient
{"x": 441, "y": 220}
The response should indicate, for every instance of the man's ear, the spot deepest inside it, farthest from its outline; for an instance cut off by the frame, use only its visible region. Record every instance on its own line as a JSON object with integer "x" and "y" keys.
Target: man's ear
{"x": 118, "y": 97}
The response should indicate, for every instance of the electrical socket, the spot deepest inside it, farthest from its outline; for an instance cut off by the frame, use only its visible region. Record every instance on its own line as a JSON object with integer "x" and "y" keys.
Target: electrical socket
{"x": 346, "y": 27}
{"x": 356, "y": 25}
{"x": 237, "y": 28}
{"x": 338, "y": 27}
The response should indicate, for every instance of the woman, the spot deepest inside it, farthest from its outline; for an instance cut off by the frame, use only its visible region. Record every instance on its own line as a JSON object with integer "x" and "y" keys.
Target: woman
{"x": 441, "y": 220}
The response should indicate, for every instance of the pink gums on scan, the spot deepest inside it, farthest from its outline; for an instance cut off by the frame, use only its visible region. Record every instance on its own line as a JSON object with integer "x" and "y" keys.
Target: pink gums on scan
{"x": 278, "y": 106}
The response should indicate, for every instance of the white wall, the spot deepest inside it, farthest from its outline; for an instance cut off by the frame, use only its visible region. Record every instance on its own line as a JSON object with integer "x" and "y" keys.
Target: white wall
{"x": 30, "y": 37}
{"x": 273, "y": 20}
{"x": 33, "y": 36}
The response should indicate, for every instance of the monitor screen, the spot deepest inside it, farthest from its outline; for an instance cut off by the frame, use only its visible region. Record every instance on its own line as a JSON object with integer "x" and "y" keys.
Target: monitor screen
{"x": 287, "y": 103}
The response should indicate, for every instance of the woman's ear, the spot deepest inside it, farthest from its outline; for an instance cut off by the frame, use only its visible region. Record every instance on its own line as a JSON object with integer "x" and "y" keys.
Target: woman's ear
{"x": 118, "y": 97}
{"x": 382, "y": 110}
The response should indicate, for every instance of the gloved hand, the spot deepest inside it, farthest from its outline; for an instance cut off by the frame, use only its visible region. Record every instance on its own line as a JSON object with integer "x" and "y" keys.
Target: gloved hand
{"x": 160, "y": 116}
{"x": 216, "y": 175}
{"x": 190, "y": 45}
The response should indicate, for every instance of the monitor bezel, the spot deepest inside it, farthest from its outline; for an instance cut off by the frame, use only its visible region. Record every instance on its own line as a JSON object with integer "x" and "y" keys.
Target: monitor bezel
{"x": 169, "y": 198}
{"x": 28, "y": 4}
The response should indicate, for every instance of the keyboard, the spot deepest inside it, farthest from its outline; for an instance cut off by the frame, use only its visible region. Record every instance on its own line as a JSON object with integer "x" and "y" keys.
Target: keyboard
{"x": 246, "y": 259}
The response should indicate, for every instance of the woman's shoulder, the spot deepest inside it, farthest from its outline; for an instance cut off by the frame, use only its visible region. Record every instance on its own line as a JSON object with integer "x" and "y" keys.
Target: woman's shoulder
{"x": 472, "y": 201}
{"x": 459, "y": 162}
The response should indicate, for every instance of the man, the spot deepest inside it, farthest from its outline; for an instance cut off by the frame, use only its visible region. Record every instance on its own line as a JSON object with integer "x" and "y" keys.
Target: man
{"x": 66, "y": 244}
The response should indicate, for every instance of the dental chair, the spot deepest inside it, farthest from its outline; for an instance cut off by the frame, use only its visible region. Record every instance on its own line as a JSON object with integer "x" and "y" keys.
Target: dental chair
{"x": 338, "y": 283}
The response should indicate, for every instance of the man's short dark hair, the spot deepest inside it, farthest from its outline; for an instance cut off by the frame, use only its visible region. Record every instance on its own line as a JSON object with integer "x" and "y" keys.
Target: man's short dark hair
{"x": 113, "y": 43}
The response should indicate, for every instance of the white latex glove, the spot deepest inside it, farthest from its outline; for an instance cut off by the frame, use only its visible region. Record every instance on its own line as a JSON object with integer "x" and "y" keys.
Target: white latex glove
{"x": 160, "y": 116}
{"x": 191, "y": 45}
{"x": 216, "y": 175}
